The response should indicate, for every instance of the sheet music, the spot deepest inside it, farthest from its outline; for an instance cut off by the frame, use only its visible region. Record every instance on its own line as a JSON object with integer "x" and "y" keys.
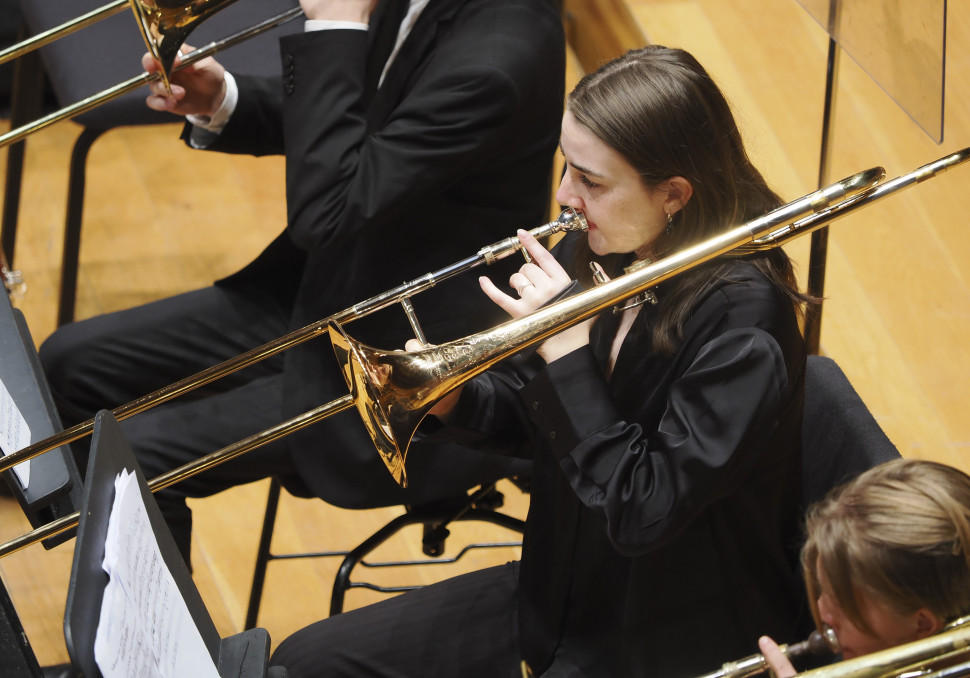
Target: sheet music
{"x": 145, "y": 628}
{"x": 14, "y": 433}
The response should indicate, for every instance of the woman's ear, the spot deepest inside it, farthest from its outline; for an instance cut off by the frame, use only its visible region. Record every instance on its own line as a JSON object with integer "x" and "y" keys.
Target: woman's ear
{"x": 927, "y": 623}
{"x": 679, "y": 191}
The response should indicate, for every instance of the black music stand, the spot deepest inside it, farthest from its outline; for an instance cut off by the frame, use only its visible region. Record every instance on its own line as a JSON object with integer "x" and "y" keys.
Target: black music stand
{"x": 906, "y": 58}
{"x": 54, "y": 489}
{"x": 244, "y": 655}
{"x": 17, "y": 659}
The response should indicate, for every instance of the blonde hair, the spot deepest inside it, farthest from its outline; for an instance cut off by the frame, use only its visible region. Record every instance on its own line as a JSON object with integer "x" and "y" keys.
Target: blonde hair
{"x": 900, "y": 533}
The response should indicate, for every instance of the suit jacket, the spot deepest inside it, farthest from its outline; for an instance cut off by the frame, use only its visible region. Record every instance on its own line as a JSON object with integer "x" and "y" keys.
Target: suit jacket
{"x": 453, "y": 153}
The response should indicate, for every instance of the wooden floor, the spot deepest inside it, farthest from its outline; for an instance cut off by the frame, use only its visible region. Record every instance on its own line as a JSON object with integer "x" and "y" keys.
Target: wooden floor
{"x": 160, "y": 219}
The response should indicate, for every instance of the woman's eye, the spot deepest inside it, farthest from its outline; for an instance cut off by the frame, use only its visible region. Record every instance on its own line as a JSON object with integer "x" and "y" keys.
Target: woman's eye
{"x": 584, "y": 180}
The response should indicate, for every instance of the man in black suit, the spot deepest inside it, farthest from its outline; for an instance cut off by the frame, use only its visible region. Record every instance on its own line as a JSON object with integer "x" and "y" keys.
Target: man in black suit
{"x": 451, "y": 152}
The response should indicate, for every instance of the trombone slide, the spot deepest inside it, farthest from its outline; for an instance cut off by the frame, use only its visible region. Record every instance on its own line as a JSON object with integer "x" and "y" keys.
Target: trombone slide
{"x": 568, "y": 220}
{"x": 944, "y": 648}
{"x": 847, "y": 195}
{"x": 819, "y": 642}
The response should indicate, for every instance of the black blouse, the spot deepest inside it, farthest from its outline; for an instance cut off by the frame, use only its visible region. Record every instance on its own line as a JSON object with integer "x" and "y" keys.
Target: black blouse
{"x": 666, "y": 500}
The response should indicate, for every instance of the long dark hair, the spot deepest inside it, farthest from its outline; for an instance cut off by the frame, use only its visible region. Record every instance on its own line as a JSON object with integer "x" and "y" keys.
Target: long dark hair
{"x": 659, "y": 109}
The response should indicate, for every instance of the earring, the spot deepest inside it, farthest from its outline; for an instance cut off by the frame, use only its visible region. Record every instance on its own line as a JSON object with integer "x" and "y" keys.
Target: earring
{"x": 670, "y": 222}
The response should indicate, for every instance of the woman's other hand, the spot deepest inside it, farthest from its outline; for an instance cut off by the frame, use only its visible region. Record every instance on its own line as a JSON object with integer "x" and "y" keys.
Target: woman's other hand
{"x": 778, "y": 662}
{"x": 444, "y": 407}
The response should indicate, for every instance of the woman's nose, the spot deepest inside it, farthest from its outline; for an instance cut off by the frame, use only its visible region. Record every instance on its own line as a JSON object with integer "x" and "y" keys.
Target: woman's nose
{"x": 826, "y": 614}
{"x": 566, "y": 196}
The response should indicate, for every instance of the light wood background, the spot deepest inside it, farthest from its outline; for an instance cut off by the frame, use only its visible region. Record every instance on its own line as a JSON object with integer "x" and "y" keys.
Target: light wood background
{"x": 160, "y": 219}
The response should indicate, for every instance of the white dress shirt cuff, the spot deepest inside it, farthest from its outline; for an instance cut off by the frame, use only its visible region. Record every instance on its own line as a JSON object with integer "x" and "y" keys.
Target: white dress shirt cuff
{"x": 329, "y": 25}
{"x": 206, "y": 128}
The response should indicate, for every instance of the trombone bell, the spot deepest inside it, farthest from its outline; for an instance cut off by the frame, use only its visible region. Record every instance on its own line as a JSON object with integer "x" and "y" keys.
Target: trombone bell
{"x": 165, "y": 25}
{"x": 394, "y": 390}
{"x": 367, "y": 378}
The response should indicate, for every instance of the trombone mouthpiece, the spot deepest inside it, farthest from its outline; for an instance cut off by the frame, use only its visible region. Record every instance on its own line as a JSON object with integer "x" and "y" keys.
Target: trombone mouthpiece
{"x": 571, "y": 219}
{"x": 568, "y": 220}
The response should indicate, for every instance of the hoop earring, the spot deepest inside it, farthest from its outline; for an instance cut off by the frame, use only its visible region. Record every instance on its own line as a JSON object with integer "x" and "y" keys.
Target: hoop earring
{"x": 670, "y": 222}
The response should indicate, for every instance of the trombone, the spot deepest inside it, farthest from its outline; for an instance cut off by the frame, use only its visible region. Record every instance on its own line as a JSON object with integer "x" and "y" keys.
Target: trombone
{"x": 568, "y": 220}
{"x": 164, "y": 25}
{"x": 399, "y": 388}
{"x": 394, "y": 390}
{"x": 818, "y": 643}
{"x": 948, "y": 648}
{"x": 943, "y": 655}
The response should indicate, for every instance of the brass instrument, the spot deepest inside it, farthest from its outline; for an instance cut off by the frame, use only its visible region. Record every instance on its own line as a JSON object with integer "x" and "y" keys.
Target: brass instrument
{"x": 164, "y": 24}
{"x": 52, "y": 34}
{"x": 394, "y": 390}
{"x": 818, "y": 643}
{"x": 943, "y": 655}
{"x": 568, "y": 220}
{"x": 406, "y": 385}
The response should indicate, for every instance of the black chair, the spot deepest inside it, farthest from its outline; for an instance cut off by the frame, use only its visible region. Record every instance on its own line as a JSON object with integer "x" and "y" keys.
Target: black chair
{"x": 480, "y": 505}
{"x": 91, "y": 60}
{"x": 840, "y": 437}
{"x": 840, "y": 440}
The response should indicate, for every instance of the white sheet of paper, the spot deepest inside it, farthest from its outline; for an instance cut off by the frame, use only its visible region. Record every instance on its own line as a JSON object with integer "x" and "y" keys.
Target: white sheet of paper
{"x": 145, "y": 628}
{"x": 14, "y": 433}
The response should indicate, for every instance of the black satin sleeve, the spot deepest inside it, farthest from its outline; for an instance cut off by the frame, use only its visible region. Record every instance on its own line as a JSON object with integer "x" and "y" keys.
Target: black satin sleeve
{"x": 650, "y": 484}
{"x": 489, "y": 415}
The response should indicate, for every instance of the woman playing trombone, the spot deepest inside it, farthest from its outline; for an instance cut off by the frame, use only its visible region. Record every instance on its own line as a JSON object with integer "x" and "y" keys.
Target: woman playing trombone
{"x": 665, "y": 435}
{"x": 887, "y": 558}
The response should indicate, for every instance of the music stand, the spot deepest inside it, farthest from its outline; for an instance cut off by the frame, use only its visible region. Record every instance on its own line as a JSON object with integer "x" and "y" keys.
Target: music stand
{"x": 902, "y": 47}
{"x": 244, "y": 655}
{"x": 17, "y": 658}
{"x": 54, "y": 489}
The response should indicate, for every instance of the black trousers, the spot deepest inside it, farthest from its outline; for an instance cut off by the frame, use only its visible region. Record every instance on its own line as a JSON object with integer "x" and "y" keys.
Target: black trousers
{"x": 465, "y": 626}
{"x": 112, "y": 359}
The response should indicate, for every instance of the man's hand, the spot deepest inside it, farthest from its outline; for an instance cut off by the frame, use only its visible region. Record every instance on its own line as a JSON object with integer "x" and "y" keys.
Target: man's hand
{"x": 196, "y": 90}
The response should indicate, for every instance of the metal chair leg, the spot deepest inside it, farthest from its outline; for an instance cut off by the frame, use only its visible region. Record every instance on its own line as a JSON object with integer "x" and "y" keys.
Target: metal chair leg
{"x": 72, "y": 225}
{"x": 263, "y": 554}
{"x": 435, "y": 517}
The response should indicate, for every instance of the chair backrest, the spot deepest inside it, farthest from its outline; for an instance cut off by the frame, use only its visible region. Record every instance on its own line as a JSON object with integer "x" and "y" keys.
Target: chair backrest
{"x": 108, "y": 52}
{"x": 840, "y": 437}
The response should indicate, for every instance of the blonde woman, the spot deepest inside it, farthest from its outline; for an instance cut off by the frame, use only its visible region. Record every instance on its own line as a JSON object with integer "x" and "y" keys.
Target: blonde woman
{"x": 887, "y": 558}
